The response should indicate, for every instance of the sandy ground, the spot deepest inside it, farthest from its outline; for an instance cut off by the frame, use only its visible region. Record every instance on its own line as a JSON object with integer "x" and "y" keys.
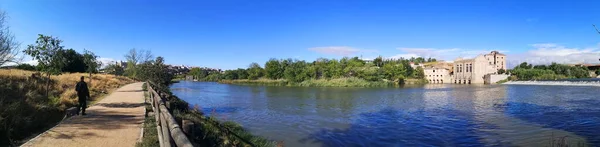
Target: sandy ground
{"x": 113, "y": 122}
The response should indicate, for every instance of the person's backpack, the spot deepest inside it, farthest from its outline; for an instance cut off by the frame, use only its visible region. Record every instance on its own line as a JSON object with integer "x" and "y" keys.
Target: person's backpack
{"x": 79, "y": 87}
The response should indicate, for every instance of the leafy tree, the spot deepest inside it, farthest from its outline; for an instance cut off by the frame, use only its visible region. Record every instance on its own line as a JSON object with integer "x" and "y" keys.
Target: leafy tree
{"x": 242, "y": 73}
{"x": 394, "y": 71}
{"x": 9, "y": 47}
{"x": 274, "y": 69}
{"x": 46, "y": 50}
{"x": 91, "y": 63}
{"x": 135, "y": 57}
{"x": 25, "y": 66}
{"x": 419, "y": 73}
{"x": 378, "y": 61}
{"x": 255, "y": 71}
{"x": 501, "y": 71}
{"x": 114, "y": 70}
{"x": 540, "y": 67}
{"x": 524, "y": 65}
{"x": 230, "y": 75}
{"x": 297, "y": 72}
{"x": 335, "y": 69}
{"x": 156, "y": 72}
{"x": 73, "y": 61}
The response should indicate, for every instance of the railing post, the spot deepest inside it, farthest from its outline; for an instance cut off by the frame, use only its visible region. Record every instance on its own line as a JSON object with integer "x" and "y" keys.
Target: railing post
{"x": 169, "y": 132}
{"x": 188, "y": 127}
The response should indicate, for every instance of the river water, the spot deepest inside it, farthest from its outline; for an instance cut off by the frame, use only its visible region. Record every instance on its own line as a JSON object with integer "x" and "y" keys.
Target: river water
{"x": 429, "y": 115}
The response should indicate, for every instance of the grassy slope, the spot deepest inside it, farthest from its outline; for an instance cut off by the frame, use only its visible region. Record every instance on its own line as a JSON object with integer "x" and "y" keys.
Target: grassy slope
{"x": 26, "y": 111}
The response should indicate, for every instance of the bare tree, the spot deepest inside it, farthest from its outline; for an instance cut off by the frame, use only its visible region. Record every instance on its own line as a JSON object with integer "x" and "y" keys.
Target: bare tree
{"x": 9, "y": 48}
{"x": 146, "y": 56}
{"x": 138, "y": 56}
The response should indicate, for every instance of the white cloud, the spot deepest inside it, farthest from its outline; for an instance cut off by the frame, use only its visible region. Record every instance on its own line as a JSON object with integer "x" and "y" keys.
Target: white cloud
{"x": 550, "y": 49}
{"x": 31, "y": 62}
{"x": 106, "y": 61}
{"x": 447, "y": 54}
{"x": 340, "y": 50}
{"x": 405, "y": 56}
{"x": 549, "y": 52}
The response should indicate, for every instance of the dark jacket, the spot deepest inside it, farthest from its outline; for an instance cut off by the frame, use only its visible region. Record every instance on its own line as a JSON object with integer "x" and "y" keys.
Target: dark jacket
{"x": 82, "y": 89}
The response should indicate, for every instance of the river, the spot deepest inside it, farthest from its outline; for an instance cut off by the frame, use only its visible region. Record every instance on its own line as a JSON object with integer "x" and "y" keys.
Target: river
{"x": 429, "y": 115}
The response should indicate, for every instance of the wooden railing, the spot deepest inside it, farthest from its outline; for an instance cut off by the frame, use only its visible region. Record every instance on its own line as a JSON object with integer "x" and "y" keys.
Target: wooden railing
{"x": 170, "y": 133}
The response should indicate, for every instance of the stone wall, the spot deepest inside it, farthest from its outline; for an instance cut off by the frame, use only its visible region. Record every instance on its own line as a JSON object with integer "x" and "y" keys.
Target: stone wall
{"x": 493, "y": 78}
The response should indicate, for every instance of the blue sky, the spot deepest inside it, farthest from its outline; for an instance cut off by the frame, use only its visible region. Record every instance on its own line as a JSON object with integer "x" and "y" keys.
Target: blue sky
{"x": 231, "y": 34}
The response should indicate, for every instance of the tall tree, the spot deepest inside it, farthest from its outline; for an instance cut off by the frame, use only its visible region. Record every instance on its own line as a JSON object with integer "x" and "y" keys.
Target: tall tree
{"x": 255, "y": 71}
{"x": 46, "y": 50}
{"x": 273, "y": 69}
{"x": 91, "y": 63}
{"x": 135, "y": 57}
{"x": 114, "y": 69}
{"x": 72, "y": 60}
{"x": 378, "y": 61}
{"x": 9, "y": 47}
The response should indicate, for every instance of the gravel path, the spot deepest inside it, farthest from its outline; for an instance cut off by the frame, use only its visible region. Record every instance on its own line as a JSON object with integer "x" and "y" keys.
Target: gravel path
{"x": 113, "y": 122}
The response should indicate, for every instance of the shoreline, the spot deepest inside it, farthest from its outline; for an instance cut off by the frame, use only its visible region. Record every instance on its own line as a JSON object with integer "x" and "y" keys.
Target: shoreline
{"x": 553, "y": 83}
{"x": 340, "y": 82}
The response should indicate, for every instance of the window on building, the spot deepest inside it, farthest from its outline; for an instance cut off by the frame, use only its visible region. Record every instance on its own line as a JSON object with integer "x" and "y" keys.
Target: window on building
{"x": 433, "y": 70}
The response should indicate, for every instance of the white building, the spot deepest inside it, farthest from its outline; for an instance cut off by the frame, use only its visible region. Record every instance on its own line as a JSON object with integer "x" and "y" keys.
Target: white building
{"x": 437, "y": 74}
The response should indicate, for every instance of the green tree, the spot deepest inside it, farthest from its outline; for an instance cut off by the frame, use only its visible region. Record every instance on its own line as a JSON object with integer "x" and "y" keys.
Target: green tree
{"x": 135, "y": 57}
{"x": 46, "y": 50}
{"x": 230, "y": 75}
{"x": 26, "y": 67}
{"x": 91, "y": 63}
{"x": 274, "y": 69}
{"x": 501, "y": 71}
{"x": 297, "y": 71}
{"x": 255, "y": 71}
{"x": 393, "y": 71}
{"x": 524, "y": 65}
{"x": 378, "y": 61}
{"x": 540, "y": 67}
{"x": 114, "y": 70}
{"x": 156, "y": 72}
{"x": 73, "y": 61}
{"x": 419, "y": 73}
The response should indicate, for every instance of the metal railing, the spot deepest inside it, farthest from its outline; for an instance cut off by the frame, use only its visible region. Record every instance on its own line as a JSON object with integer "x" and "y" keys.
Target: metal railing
{"x": 169, "y": 132}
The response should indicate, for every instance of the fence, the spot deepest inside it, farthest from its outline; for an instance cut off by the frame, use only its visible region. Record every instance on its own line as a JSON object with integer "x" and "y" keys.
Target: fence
{"x": 169, "y": 132}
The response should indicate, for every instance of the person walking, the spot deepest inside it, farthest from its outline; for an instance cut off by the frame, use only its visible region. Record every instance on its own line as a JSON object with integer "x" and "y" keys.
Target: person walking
{"x": 83, "y": 93}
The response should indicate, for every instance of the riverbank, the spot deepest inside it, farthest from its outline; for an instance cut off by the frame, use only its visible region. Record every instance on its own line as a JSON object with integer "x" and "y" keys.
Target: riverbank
{"x": 339, "y": 82}
{"x": 556, "y": 83}
{"x": 26, "y": 111}
{"x": 208, "y": 130}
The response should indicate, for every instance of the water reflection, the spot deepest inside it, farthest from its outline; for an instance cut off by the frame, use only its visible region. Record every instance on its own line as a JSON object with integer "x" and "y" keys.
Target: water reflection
{"x": 431, "y": 115}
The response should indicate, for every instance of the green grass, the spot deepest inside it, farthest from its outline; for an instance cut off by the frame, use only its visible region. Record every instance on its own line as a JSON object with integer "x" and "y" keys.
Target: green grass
{"x": 211, "y": 132}
{"x": 502, "y": 81}
{"x": 150, "y": 134}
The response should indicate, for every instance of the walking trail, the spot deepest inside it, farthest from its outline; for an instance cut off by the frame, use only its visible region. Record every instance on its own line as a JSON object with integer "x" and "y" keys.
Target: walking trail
{"x": 113, "y": 122}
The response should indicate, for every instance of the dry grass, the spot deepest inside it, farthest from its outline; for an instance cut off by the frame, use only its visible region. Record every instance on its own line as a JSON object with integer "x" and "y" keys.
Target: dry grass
{"x": 63, "y": 86}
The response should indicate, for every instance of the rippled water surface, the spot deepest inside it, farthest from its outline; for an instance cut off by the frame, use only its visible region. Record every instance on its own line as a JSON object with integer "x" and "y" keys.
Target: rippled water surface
{"x": 431, "y": 115}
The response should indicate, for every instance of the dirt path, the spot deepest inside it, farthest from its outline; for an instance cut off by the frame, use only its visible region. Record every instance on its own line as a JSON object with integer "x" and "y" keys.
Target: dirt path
{"x": 113, "y": 122}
